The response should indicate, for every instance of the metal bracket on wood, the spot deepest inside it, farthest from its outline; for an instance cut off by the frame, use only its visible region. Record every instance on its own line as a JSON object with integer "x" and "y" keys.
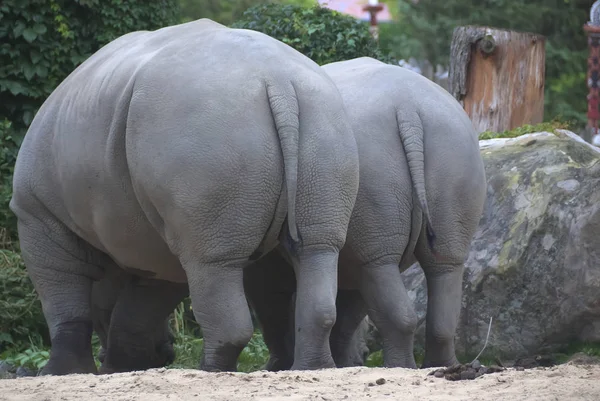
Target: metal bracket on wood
{"x": 487, "y": 45}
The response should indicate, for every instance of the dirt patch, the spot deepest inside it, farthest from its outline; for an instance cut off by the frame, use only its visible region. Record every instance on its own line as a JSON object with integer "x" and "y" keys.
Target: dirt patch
{"x": 569, "y": 381}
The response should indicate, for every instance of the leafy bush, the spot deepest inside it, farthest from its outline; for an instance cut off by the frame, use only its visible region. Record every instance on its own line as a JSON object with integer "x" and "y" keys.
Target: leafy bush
{"x": 225, "y": 11}
{"x": 33, "y": 358}
{"x": 322, "y": 34}
{"x": 21, "y": 320}
{"x": 9, "y": 146}
{"x": 44, "y": 40}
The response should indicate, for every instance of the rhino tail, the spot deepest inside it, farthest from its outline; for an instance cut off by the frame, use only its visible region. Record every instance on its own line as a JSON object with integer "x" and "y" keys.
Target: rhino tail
{"x": 283, "y": 101}
{"x": 411, "y": 135}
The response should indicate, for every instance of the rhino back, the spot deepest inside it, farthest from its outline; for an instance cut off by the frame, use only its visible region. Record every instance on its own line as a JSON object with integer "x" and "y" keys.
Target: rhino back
{"x": 374, "y": 92}
{"x": 76, "y": 160}
{"x": 73, "y": 167}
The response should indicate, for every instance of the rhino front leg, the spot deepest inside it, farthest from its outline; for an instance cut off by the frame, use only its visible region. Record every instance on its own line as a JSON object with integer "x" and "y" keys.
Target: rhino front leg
{"x": 345, "y": 342}
{"x": 62, "y": 268}
{"x": 269, "y": 284}
{"x": 392, "y": 312}
{"x": 105, "y": 293}
{"x": 139, "y": 336}
{"x": 444, "y": 295}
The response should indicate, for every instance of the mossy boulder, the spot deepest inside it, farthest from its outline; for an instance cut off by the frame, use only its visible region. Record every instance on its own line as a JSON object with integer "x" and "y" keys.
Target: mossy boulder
{"x": 534, "y": 264}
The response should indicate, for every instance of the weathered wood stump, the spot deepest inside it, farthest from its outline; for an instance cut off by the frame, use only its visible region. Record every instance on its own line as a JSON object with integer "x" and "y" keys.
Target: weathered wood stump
{"x": 498, "y": 76}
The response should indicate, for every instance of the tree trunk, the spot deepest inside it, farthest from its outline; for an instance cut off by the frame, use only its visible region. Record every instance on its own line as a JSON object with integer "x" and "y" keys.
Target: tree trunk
{"x": 498, "y": 76}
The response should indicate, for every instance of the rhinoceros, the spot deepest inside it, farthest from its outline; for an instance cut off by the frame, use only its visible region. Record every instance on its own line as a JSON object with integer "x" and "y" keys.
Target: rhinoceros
{"x": 421, "y": 196}
{"x": 180, "y": 155}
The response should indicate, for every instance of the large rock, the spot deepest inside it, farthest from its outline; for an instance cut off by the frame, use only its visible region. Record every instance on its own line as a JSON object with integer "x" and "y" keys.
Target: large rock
{"x": 534, "y": 264}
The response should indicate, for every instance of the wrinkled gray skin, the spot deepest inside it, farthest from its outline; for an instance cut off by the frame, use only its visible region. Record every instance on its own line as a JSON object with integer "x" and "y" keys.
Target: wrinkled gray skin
{"x": 419, "y": 162}
{"x": 145, "y": 301}
{"x": 163, "y": 154}
{"x": 154, "y": 348}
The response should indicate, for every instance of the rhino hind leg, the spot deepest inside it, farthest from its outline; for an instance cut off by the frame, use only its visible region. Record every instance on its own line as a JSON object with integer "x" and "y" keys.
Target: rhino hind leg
{"x": 392, "y": 312}
{"x": 221, "y": 309}
{"x": 444, "y": 296}
{"x": 444, "y": 275}
{"x": 139, "y": 336}
{"x": 314, "y": 308}
{"x": 62, "y": 268}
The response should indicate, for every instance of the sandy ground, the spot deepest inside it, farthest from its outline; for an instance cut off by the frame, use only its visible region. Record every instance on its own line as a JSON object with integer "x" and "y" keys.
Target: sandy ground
{"x": 564, "y": 382}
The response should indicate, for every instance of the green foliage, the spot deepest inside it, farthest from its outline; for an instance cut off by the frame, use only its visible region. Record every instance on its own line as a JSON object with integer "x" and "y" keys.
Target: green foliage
{"x": 526, "y": 129}
{"x": 9, "y": 146}
{"x": 323, "y": 35}
{"x": 33, "y": 358}
{"x": 189, "y": 349}
{"x": 21, "y": 320}
{"x": 424, "y": 31}
{"x": 42, "y": 41}
{"x": 255, "y": 355}
{"x": 226, "y": 11}
{"x": 587, "y": 348}
{"x": 375, "y": 359}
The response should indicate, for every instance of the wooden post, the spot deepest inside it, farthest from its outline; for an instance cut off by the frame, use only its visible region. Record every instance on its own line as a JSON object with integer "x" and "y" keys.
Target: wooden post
{"x": 498, "y": 76}
{"x": 373, "y": 8}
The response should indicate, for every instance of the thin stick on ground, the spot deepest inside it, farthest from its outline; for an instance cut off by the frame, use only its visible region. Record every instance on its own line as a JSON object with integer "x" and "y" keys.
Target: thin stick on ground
{"x": 486, "y": 341}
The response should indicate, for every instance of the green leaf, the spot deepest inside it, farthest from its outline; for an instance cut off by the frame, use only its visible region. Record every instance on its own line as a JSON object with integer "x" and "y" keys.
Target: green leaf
{"x": 40, "y": 29}
{"x": 35, "y": 56}
{"x": 18, "y": 29}
{"x": 14, "y": 87}
{"x": 27, "y": 117}
{"x": 6, "y": 338}
{"x": 41, "y": 71}
{"x": 29, "y": 35}
{"x": 28, "y": 71}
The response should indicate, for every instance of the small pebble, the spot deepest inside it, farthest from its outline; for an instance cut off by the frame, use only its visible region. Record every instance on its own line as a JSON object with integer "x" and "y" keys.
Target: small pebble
{"x": 380, "y": 381}
{"x": 439, "y": 373}
{"x": 476, "y": 364}
{"x": 520, "y": 368}
{"x": 371, "y": 384}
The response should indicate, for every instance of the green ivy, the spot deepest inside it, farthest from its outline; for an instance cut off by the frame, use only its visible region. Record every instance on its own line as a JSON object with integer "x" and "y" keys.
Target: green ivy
{"x": 42, "y": 41}
{"x": 322, "y": 34}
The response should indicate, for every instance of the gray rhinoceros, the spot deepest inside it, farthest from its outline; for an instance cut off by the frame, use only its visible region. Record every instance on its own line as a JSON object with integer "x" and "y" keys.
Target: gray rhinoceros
{"x": 421, "y": 195}
{"x": 179, "y": 155}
